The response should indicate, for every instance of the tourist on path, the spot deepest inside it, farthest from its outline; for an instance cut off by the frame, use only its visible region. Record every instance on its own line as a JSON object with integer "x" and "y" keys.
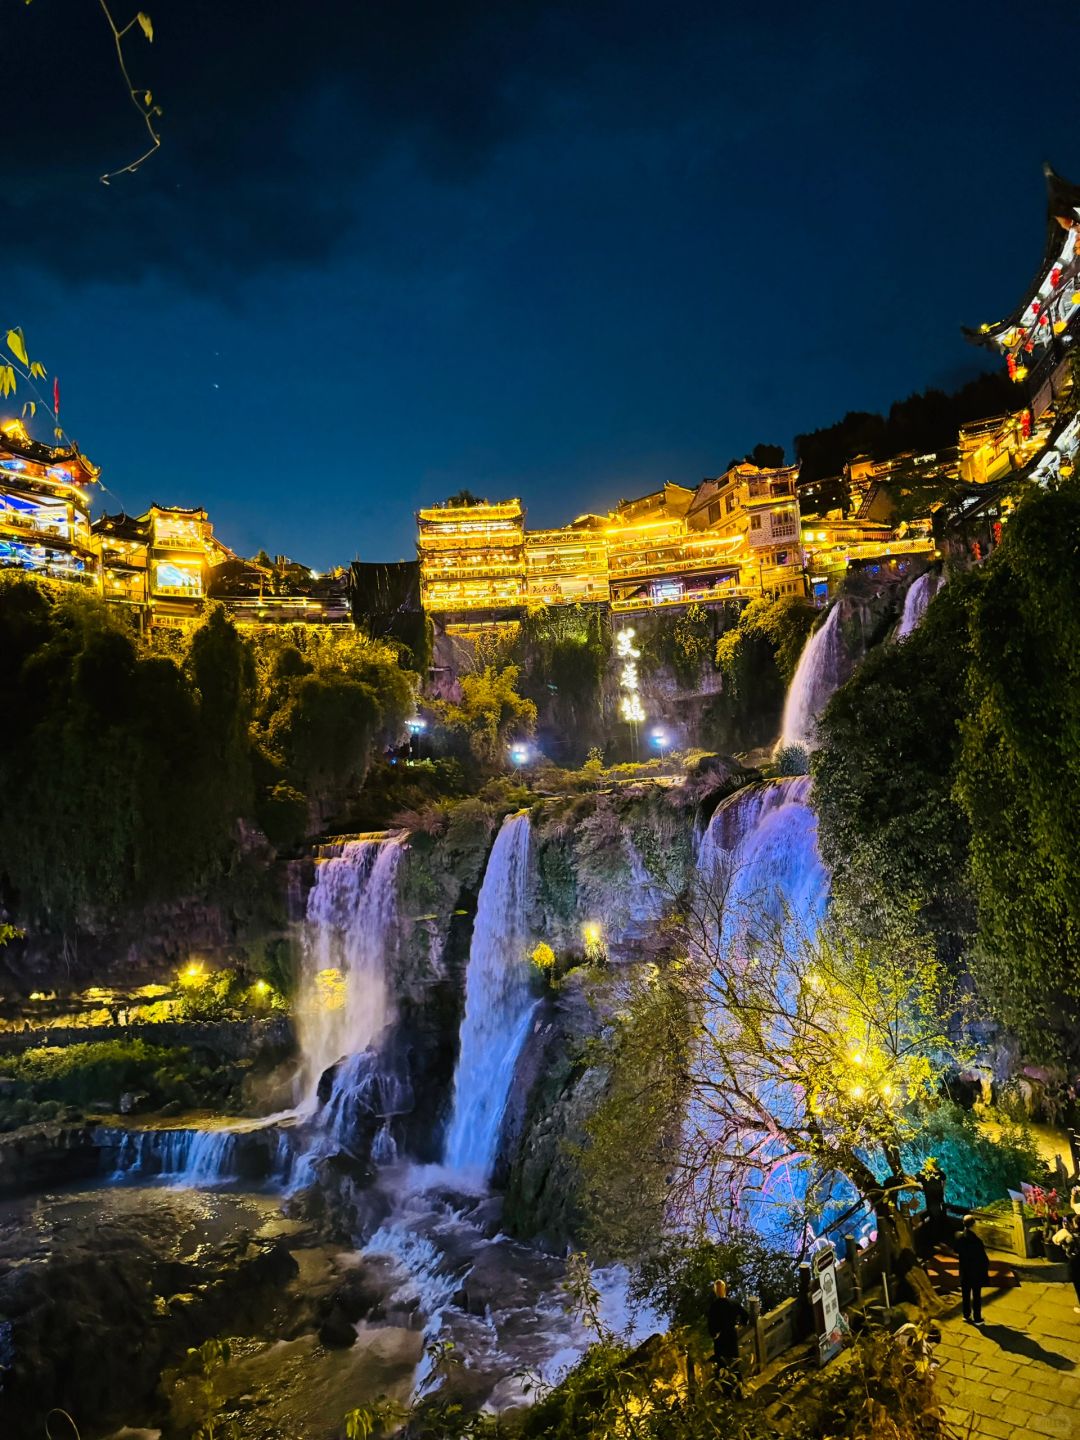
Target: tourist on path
{"x": 724, "y": 1318}
{"x": 974, "y": 1270}
{"x": 1068, "y": 1237}
{"x": 933, "y": 1179}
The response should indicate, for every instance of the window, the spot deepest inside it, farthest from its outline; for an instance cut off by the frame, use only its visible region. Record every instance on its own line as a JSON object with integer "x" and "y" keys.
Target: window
{"x": 755, "y": 522}
{"x": 714, "y": 511}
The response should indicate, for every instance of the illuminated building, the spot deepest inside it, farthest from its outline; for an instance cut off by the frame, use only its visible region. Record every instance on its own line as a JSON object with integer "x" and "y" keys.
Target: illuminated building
{"x": 160, "y": 560}
{"x": 568, "y": 565}
{"x": 263, "y": 593}
{"x": 45, "y": 507}
{"x": 655, "y": 558}
{"x": 1036, "y": 337}
{"x": 751, "y": 516}
{"x": 472, "y": 557}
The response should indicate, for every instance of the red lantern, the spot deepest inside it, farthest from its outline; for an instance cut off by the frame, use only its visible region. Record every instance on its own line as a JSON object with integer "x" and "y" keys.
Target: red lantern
{"x": 1030, "y": 346}
{"x": 1055, "y": 276}
{"x": 1034, "y": 307}
{"x": 996, "y": 529}
{"x": 1025, "y": 423}
{"x": 1044, "y": 319}
{"x": 1011, "y": 363}
{"x": 976, "y": 550}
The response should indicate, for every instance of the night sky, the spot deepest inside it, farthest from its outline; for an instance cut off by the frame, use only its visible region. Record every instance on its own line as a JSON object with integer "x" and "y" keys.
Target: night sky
{"x": 567, "y": 251}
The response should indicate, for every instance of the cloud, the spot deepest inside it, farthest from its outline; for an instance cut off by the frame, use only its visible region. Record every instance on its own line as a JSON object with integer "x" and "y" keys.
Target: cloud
{"x": 281, "y": 119}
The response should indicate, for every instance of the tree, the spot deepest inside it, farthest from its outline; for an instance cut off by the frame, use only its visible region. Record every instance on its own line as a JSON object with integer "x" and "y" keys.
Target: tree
{"x": 889, "y": 744}
{"x": 489, "y": 713}
{"x": 1018, "y": 776}
{"x": 806, "y": 1056}
{"x": 757, "y": 658}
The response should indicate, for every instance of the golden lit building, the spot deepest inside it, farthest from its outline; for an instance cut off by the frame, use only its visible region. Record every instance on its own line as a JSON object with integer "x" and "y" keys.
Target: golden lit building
{"x": 568, "y": 566}
{"x": 161, "y": 560}
{"x": 45, "y": 508}
{"x": 656, "y": 558}
{"x": 753, "y": 513}
{"x": 472, "y": 556}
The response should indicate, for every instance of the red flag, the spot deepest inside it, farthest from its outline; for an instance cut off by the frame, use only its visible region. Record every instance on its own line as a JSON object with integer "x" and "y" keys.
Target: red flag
{"x": 56, "y": 397}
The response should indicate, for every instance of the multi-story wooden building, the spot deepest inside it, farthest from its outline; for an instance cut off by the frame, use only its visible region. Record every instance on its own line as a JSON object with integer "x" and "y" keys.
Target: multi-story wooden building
{"x": 754, "y": 513}
{"x": 472, "y": 557}
{"x": 45, "y": 508}
{"x": 568, "y": 565}
{"x": 161, "y": 560}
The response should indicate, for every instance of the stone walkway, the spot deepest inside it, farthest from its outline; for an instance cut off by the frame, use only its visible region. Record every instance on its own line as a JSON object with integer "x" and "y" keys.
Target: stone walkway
{"x": 1019, "y": 1374}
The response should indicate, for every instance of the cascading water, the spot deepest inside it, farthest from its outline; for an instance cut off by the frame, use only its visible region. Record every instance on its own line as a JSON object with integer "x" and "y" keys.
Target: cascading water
{"x": 498, "y": 1002}
{"x": 254, "y": 1150}
{"x": 762, "y": 844}
{"x": 759, "y": 861}
{"x": 345, "y": 1005}
{"x": 919, "y": 594}
{"x": 823, "y": 667}
{"x": 344, "y": 1002}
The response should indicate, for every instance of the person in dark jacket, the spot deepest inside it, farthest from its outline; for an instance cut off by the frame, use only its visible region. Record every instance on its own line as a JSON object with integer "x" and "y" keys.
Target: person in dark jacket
{"x": 974, "y": 1270}
{"x": 724, "y": 1318}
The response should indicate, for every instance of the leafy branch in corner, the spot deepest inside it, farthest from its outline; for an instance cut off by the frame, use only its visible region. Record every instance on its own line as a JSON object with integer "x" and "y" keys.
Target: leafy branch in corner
{"x": 141, "y": 98}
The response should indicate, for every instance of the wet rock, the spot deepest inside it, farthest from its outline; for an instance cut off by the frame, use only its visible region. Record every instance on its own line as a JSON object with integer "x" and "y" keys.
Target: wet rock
{"x": 41, "y": 1156}
{"x": 96, "y": 1313}
{"x": 132, "y": 1101}
{"x": 337, "y": 1331}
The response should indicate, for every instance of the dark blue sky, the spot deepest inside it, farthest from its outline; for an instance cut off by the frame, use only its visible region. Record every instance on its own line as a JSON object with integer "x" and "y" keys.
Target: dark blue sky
{"x": 566, "y": 251}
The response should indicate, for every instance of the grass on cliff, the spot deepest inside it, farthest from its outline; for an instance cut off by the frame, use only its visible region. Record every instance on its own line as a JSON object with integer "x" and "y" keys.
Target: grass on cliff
{"x": 40, "y": 1083}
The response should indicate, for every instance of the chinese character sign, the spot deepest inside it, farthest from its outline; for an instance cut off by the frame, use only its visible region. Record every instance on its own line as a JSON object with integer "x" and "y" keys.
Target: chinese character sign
{"x": 630, "y": 706}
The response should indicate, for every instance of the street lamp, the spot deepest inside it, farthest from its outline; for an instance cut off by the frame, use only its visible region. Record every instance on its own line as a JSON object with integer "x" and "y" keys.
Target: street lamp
{"x": 659, "y": 738}
{"x": 519, "y": 754}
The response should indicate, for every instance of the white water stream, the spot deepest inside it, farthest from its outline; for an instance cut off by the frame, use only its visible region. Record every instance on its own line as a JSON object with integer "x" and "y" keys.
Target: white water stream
{"x": 498, "y": 1002}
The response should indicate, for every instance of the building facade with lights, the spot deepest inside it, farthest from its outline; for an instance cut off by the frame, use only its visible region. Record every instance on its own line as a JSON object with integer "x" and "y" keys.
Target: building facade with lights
{"x": 472, "y": 557}
{"x": 45, "y": 508}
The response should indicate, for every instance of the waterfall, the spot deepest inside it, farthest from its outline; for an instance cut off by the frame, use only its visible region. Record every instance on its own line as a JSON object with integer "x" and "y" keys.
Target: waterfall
{"x": 498, "y": 1002}
{"x": 823, "y": 667}
{"x": 249, "y": 1150}
{"x": 761, "y": 846}
{"x": 919, "y": 594}
{"x": 344, "y": 1001}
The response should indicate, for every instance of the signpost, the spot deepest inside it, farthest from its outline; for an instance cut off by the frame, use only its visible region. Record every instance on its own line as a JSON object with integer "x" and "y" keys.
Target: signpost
{"x": 828, "y": 1317}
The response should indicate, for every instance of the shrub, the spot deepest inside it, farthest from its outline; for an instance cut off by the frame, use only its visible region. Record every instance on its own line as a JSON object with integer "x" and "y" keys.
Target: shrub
{"x": 677, "y": 1277}
{"x": 982, "y": 1157}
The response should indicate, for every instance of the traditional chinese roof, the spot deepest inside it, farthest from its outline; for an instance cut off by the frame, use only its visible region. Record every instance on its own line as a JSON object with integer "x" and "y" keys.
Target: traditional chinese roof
{"x": 123, "y": 526}
{"x": 16, "y": 440}
{"x": 1048, "y": 301}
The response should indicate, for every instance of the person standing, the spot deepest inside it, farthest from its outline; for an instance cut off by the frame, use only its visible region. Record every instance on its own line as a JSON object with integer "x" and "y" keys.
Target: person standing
{"x": 974, "y": 1270}
{"x": 724, "y": 1318}
{"x": 1068, "y": 1237}
{"x": 932, "y": 1179}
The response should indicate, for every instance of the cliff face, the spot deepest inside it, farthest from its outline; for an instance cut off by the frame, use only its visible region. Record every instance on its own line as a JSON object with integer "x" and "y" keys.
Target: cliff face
{"x": 555, "y": 1090}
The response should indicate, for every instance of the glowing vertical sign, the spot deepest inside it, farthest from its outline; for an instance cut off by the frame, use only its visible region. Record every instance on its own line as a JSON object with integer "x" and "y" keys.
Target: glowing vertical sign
{"x": 630, "y": 706}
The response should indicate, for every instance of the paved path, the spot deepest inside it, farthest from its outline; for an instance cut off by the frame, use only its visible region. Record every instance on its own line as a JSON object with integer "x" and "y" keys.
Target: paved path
{"x": 1019, "y": 1375}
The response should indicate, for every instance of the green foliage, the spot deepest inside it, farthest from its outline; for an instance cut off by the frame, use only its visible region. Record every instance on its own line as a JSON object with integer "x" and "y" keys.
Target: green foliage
{"x": 791, "y": 760}
{"x": 1018, "y": 778}
{"x": 102, "y": 1070}
{"x": 982, "y": 1155}
{"x": 677, "y": 1277}
{"x": 757, "y": 658}
{"x": 885, "y": 768}
{"x": 195, "y": 1394}
{"x": 324, "y": 700}
{"x": 489, "y": 714}
{"x": 634, "y": 1135}
{"x": 685, "y": 642}
{"x": 132, "y": 764}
